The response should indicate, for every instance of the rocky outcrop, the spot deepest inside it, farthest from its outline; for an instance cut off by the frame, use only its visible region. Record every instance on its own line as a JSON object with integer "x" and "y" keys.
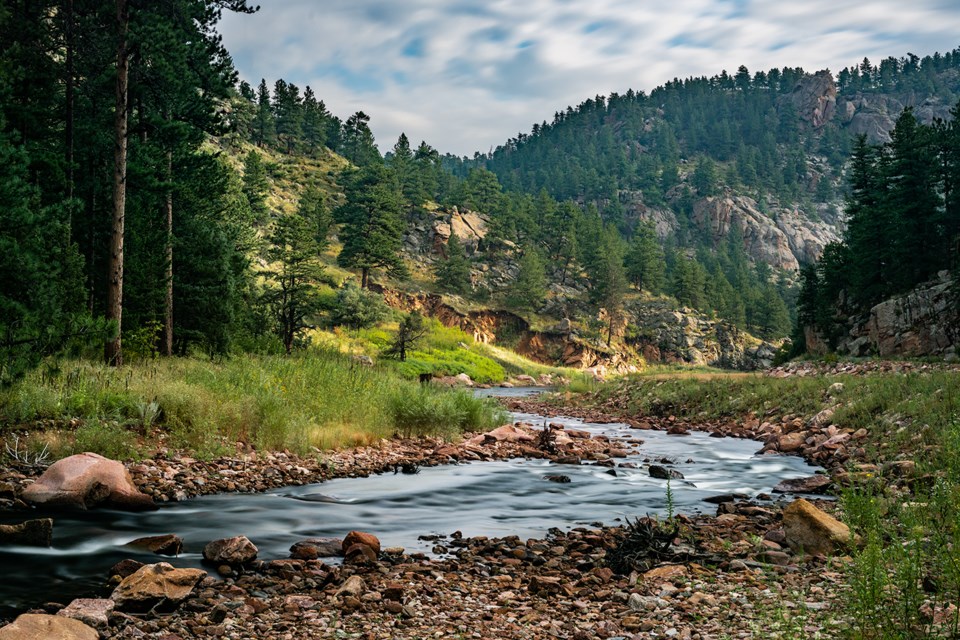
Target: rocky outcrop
{"x": 664, "y": 220}
{"x": 783, "y": 239}
{"x": 875, "y": 114}
{"x": 669, "y": 335}
{"x": 87, "y": 480}
{"x": 924, "y": 322}
{"x": 469, "y": 226}
{"x": 814, "y": 98}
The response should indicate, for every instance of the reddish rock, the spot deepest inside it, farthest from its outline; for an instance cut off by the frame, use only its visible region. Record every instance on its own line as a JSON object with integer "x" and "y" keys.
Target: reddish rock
{"x": 809, "y": 529}
{"x": 317, "y": 548}
{"x": 84, "y": 481}
{"x": 812, "y": 484}
{"x": 156, "y": 586}
{"x": 92, "y": 612}
{"x": 791, "y": 442}
{"x": 361, "y": 537}
{"x": 125, "y": 568}
{"x": 360, "y": 554}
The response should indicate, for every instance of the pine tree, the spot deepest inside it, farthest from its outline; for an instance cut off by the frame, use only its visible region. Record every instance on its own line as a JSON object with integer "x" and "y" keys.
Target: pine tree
{"x": 645, "y": 260}
{"x": 452, "y": 272}
{"x": 412, "y": 329}
{"x": 527, "y": 291}
{"x": 264, "y": 124}
{"x": 372, "y": 222}
{"x": 293, "y": 278}
{"x": 256, "y": 186}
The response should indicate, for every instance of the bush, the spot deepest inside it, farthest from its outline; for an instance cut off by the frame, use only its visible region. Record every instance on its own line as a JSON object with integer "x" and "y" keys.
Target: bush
{"x": 427, "y": 411}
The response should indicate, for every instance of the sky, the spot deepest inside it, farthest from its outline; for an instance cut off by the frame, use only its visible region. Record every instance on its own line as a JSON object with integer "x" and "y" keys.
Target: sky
{"x": 466, "y": 75}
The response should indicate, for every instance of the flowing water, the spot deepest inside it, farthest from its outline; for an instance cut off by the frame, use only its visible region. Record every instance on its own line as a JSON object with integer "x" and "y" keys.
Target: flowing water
{"x": 482, "y": 498}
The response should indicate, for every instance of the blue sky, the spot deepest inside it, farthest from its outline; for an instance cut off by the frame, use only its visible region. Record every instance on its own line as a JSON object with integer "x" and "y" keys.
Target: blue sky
{"x": 465, "y": 75}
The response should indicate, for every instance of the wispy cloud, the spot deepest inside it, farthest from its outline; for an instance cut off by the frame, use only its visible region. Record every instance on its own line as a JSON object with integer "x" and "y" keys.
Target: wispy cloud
{"x": 466, "y": 75}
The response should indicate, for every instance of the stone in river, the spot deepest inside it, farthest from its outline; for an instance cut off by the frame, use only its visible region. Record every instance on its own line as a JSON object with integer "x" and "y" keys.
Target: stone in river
{"x": 361, "y": 537}
{"x": 84, "y": 481}
{"x": 664, "y": 473}
{"x": 33, "y": 626}
{"x": 32, "y": 533}
{"x": 230, "y": 551}
{"x": 317, "y": 548}
{"x": 165, "y": 545}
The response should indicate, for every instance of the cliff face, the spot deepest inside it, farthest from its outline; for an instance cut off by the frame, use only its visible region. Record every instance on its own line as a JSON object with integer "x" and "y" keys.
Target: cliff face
{"x": 783, "y": 239}
{"x": 924, "y": 322}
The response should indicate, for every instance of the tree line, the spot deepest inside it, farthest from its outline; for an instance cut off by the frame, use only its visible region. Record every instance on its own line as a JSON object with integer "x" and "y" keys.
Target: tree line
{"x": 903, "y": 223}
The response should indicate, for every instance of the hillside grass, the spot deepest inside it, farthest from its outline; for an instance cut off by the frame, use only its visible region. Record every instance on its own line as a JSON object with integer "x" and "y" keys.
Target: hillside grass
{"x": 903, "y": 581}
{"x": 316, "y": 400}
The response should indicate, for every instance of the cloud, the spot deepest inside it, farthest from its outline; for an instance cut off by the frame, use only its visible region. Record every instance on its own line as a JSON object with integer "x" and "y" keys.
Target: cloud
{"x": 466, "y": 75}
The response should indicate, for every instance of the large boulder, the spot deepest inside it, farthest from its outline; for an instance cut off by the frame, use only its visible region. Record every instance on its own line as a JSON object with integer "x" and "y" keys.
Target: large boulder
{"x": 234, "y": 552}
{"x": 160, "y": 586}
{"x": 34, "y": 626}
{"x": 32, "y": 533}
{"x": 361, "y": 537}
{"x": 812, "y": 531}
{"x": 87, "y": 480}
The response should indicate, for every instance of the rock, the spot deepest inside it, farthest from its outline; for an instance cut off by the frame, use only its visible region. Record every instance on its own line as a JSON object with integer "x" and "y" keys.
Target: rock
{"x": 809, "y": 529}
{"x": 317, "y": 548}
{"x": 561, "y": 479}
{"x": 93, "y": 612}
{"x": 234, "y": 552}
{"x": 159, "y": 586}
{"x": 125, "y": 568}
{"x": 353, "y": 586}
{"x": 506, "y": 433}
{"x": 360, "y": 553}
{"x": 900, "y": 468}
{"x": 165, "y": 545}
{"x": 726, "y": 497}
{"x": 545, "y": 585}
{"x": 32, "y": 533}
{"x": 638, "y": 602}
{"x": 33, "y": 626}
{"x": 664, "y": 473}
{"x": 666, "y": 572}
{"x": 791, "y": 442}
{"x": 813, "y": 484}
{"x": 84, "y": 481}
{"x": 361, "y": 537}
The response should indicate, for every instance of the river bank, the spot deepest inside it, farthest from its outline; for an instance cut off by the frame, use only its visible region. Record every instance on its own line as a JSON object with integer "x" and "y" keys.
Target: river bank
{"x": 742, "y": 580}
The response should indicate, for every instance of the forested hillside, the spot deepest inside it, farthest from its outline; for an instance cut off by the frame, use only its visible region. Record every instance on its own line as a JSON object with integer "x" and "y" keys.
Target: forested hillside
{"x": 153, "y": 203}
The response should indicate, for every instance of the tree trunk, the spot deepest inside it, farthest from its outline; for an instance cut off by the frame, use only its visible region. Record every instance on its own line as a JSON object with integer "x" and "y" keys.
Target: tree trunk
{"x": 69, "y": 83}
{"x": 168, "y": 307}
{"x": 364, "y": 277}
{"x": 112, "y": 349}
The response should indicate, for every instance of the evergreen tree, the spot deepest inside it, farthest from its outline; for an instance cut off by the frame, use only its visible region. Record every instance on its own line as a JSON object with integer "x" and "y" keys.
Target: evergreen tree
{"x": 295, "y": 274}
{"x": 689, "y": 283}
{"x": 412, "y": 329}
{"x": 645, "y": 260}
{"x": 357, "y": 144}
{"x": 256, "y": 186}
{"x": 452, "y": 272}
{"x": 372, "y": 222}
{"x": 264, "y": 124}
{"x": 527, "y": 291}
{"x": 357, "y": 308}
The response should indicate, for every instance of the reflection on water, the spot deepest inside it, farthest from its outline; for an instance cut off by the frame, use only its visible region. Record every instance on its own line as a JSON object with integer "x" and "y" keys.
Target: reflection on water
{"x": 490, "y": 498}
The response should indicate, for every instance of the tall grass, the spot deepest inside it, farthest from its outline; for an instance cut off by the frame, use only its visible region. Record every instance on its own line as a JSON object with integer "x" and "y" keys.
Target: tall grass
{"x": 316, "y": 400}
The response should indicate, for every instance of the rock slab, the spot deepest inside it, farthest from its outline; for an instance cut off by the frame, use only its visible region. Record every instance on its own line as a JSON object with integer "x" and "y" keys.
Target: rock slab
{"x": 86, "y": 480}
{"x": 32, "y": 626}
{"x": 234, "y": 552}
{"x": 94, "y": 612}
{"x": 809, "y": 529}
{"x": 156, "y": 585}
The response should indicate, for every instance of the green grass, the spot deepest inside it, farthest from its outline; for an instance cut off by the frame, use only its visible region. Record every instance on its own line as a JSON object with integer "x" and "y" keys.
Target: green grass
{"x": 317, "y": 400}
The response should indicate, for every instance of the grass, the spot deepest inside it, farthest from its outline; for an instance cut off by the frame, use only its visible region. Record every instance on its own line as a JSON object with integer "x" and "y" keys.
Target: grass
{"x": 318, "y": 400}
{"x": 903, "y": 582}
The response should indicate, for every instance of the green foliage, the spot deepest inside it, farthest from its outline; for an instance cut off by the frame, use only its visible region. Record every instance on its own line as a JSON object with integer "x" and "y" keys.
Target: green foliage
{"x": 451, "y": 362}
{"x": 372, "y": 225}
{"x": 645, "y": 260}
{"x": 357, "y": 308}
{"x": 528, "y": 290}
{"x": 425, "y": 411}
{"x": 452, "y": 272}
{"x": 256, "y": 185}
{"x": 411, "y": 330}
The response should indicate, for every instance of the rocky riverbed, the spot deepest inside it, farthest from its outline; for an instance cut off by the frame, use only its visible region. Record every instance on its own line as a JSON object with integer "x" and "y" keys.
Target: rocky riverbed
{"x": 728, "y": 575}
